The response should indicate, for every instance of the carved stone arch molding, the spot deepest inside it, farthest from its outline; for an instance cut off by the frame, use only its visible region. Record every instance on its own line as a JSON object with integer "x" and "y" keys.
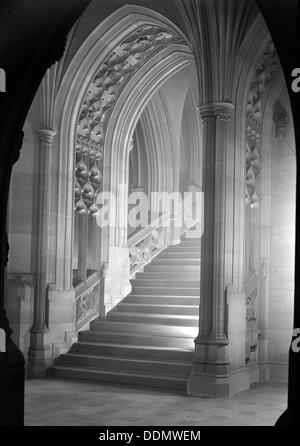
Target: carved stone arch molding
{"x": 158, "y": 141}
{"x": 192, "y": 138}
{"x": 109, "y": 81}
{"x": 80, "y": 74}
{"x": 125, "y": 115}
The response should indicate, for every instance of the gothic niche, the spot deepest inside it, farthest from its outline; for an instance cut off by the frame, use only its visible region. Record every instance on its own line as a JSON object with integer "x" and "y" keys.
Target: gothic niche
{"x": 280, "y": 119}
{"x": 265, "y": 73}
{"x": 109, "y": 81}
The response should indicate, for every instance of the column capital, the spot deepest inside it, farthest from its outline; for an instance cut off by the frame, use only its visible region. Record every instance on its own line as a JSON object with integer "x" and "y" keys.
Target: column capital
{"x": 46, "y": 135}
{"x": 216, "y": 110}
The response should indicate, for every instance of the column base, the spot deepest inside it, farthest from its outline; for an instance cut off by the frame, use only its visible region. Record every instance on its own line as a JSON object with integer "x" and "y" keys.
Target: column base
{"x": 39, "y": 355}
{"x": 214, "y": 386}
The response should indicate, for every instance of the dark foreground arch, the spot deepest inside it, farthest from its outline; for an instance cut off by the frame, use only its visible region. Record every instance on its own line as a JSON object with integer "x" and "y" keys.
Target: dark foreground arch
{"x": 283, "y": 20}
{"x": 32, "y": 38}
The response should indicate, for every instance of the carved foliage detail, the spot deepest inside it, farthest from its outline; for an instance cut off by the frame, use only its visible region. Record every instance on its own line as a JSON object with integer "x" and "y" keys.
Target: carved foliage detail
{"x": 265, "y": 73}
{"x": 143, "y": 251}
{"x": 88, "y": 175}
{"x": 110, "y": 79}
{"x": 252, "y": 171}
{"x": 113, "y": 74}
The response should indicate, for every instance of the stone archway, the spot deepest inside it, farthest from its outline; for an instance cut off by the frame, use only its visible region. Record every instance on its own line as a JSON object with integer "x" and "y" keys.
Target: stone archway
{"x": 97, "y": 109}
{"x": 70, "y": 97}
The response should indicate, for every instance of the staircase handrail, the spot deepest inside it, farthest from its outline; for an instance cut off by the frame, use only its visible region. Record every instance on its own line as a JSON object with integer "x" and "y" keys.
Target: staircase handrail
{"x": 138, "y": 236}
{"x": 145, "y": 244}
{"x": 87, "y": 298}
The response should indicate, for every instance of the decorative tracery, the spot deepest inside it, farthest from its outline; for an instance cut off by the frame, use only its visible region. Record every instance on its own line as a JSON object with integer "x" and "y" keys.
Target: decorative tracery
{"x": 110, "y": 79}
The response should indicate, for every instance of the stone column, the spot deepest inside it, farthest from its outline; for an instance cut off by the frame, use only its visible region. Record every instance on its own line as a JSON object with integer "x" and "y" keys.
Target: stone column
{"x": 210, "y": 375}
{"x": 211, "y": 322}
{"x": 39, "y": 350}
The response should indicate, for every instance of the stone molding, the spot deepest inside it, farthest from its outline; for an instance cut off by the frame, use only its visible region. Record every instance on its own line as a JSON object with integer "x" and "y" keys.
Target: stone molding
{"x": 220, "y": 110}
{"x": 46, "y": 136}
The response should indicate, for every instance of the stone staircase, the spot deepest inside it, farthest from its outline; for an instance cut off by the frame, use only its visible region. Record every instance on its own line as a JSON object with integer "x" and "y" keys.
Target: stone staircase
{"x": 147, "y": 339}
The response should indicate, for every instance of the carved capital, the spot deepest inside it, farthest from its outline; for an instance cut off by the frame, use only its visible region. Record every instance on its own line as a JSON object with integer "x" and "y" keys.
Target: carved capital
{"x": 216, "y": 110}
{"x": 46, "y": 136}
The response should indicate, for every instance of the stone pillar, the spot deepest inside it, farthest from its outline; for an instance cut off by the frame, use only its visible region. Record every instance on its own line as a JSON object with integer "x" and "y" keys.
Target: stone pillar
{"x": 39, "y": 350}
{"x": 211, "y": 370}
{"x": 211, "y": 324}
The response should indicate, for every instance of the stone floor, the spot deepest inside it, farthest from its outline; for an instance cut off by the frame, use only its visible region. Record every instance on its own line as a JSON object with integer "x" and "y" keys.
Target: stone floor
{"x": 69, "y": 403}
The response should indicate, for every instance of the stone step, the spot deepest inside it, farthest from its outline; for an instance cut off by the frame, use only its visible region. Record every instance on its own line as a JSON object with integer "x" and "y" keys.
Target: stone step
{"x": 182, "y": 310}
{"x": 140, "y": 328}
{"x": 137, "y": 339}
{"x": 148, "y": 338}
{"x": 191, "y": 241}
{"x": 172, "y": 262}
{"x": 179, "y": 255}
{"x": 187, "y": 321}
{"x": 179, "y": 369}
{"x": 111, "y": 376}
{"x": 184, "y": 248}
{"x": 132, "y": 351}
{"x": 154, "y": 267}
{"x": 165, "y": 290}
{"x": 169, "y": 276}
{"x": 162, "y": 300}
{"x": 151, "y": 282}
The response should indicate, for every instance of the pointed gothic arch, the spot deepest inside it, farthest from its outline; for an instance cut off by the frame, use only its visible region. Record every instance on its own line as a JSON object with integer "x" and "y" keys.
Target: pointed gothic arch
{"x": 74, "y": 86}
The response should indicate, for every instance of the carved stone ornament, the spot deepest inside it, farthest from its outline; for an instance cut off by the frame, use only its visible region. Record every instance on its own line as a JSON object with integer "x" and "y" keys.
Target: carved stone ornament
{"x": 280, "y": 119}
{"x": 110, "y": 79}
{"x": 87, "y": 306}
{"x": 145, "y": 249}
{"x": 88, "y": 175}
{"x": 265, "y": 73}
